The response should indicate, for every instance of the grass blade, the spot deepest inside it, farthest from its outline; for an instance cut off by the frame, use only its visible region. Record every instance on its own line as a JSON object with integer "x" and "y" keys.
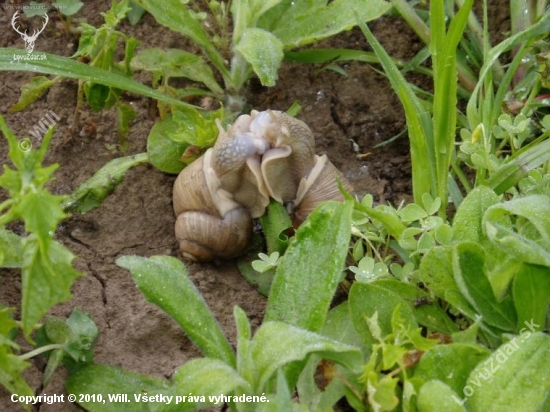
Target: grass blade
{"x": 418, "y": 121}
{"x": 66, "y": 67}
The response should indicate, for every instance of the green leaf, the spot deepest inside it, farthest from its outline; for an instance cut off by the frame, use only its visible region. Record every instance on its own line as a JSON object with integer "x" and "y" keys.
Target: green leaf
{"x": 10, "y": 249}
{"x": 309, "y": 272}
{"x": 103, "y": 380}
{"x": 435, "y": 396}
{"x": 532, "y": 246}
{"x": 300, "y": 23}
{"x": 176, "y": 63}
{"x": 10, "y": 373}
{"x": 54, "y": 360}
{"x": 83, "y": 334}
{"x": 68, "y": 7}
{"x": 125, "y": 114}
{"x": 264, "y": 52}
{"x": 277, "y": 344}
{"x": 467, "y": 223}
{"x": 42, "y": 212}
{"x": 163, "y": 152}
{"x": 471, "y": 278}
{"x": 381, "y": 392}
{"x": 180, "y": 138}
{"x": 531, "y": 291}
{"x": 66, "y": 67}
{"x": 77, "y": 335}
{"x": 207, "y": 377}
{"x": 367, "y": 299}
{"x": 32, "y": 91}
{"x": 164, "y": 282}
{"x": 116, "y": 13}
{"x": 96, "y": 95}
{"x": 12, "y": 365}
{"x": 412, "y": 212}
{"x": 426, "y": 312}
{"x": 178, "y": 17}
{"x": 450, "y": 364}
{"x": 93, "y": 191}
{"x": 468, "y": 226}
{"x": 274, "y": 223}
{"x": 436, "y": 271}
{"x": 338, "y": 326}
{"x": 518, "y": 376}
{"x": 266, "y": 262}
{"x": 47, "y": 276}
{"x": 419, "y": 123}
{"x": 259, "y": 280}
{"x": 135, "y": 14}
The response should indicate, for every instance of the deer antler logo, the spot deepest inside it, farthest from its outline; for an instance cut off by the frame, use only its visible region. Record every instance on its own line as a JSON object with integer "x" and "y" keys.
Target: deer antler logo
{"x": 29, "y": 40}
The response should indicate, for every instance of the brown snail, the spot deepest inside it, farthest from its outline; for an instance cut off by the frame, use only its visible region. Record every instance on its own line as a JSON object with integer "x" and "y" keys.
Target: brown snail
{"x": 262, "y": 155}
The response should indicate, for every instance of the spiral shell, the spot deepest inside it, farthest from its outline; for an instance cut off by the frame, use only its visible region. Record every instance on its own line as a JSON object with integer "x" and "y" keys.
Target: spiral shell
{"x": 320, "y": 185}
{"x": 262, "y": 155}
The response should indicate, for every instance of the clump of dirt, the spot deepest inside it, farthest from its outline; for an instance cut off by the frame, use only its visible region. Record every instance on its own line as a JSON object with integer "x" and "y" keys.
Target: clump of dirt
{"x": 349, "y": 116}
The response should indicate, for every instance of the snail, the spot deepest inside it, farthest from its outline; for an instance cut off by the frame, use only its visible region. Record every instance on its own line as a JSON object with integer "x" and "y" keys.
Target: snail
{"x": 260, "y": 156}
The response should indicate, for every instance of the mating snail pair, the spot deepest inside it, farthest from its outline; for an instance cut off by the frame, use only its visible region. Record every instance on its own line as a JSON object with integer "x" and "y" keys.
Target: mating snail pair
{"x": 261, "y": 155}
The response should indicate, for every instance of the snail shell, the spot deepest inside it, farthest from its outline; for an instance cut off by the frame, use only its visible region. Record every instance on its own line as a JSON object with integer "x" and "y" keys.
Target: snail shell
{"x": 262, "y": 155}
{"x": 320, "y": 185}
{"x": 216, "y": 197}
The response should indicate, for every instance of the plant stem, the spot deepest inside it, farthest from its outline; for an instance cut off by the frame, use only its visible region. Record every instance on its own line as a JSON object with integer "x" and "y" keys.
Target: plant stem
{"x": 40, "y": 350}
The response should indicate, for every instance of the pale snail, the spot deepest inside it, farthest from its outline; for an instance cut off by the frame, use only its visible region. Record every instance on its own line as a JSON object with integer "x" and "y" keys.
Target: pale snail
{"x": 261, "y": 155}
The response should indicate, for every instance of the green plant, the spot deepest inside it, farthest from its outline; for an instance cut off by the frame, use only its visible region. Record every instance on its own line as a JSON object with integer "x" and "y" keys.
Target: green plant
{"x": 264, "y": 365}
{"x": 46, "y": 269}
{"x": 261, "y": 33}
{"x": 479, "y": 280}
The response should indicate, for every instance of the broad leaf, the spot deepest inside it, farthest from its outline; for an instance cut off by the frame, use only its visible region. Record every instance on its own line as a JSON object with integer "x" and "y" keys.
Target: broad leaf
{"x": 12, "y": 365}
{"x": 532, "y": 243}
{"x": 177, "y": 16}
{"x": 517, "y": 378}
{"x": 427, "y": 312}
{"x": 451, "y": 364}
{"x": 10, "y": 249}
{"x": 436, "y": 271}
{"x": 531, "y": 292}
{"x": 121, "y": 390}
{"x": 435, "y": 396}
{"x": 297, "y": 23}
{"x": 311, "y": 268}
{"x": 164, "y": 281}
{"x": 176, "y": 63}
{"x": 208, "y": 377}
{"x": 468, "y": 226}
{"x": 277, "y": 344}
{"x": 47, "y": 276}
{"x": 471, "y": 278}
{"x": 264, "y": 52}
{"x": 367, "y": 299}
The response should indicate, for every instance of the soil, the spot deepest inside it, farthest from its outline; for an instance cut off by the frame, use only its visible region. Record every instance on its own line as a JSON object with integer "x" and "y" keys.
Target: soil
{"x": 349, "y": 116}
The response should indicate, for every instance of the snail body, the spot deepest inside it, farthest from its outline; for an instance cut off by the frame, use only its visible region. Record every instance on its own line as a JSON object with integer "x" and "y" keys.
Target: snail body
{"x": 261, "y": 155}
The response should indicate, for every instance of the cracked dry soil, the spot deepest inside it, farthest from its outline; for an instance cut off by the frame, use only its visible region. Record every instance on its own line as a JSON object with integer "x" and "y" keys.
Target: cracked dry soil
{"x": 348, "y": 115}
